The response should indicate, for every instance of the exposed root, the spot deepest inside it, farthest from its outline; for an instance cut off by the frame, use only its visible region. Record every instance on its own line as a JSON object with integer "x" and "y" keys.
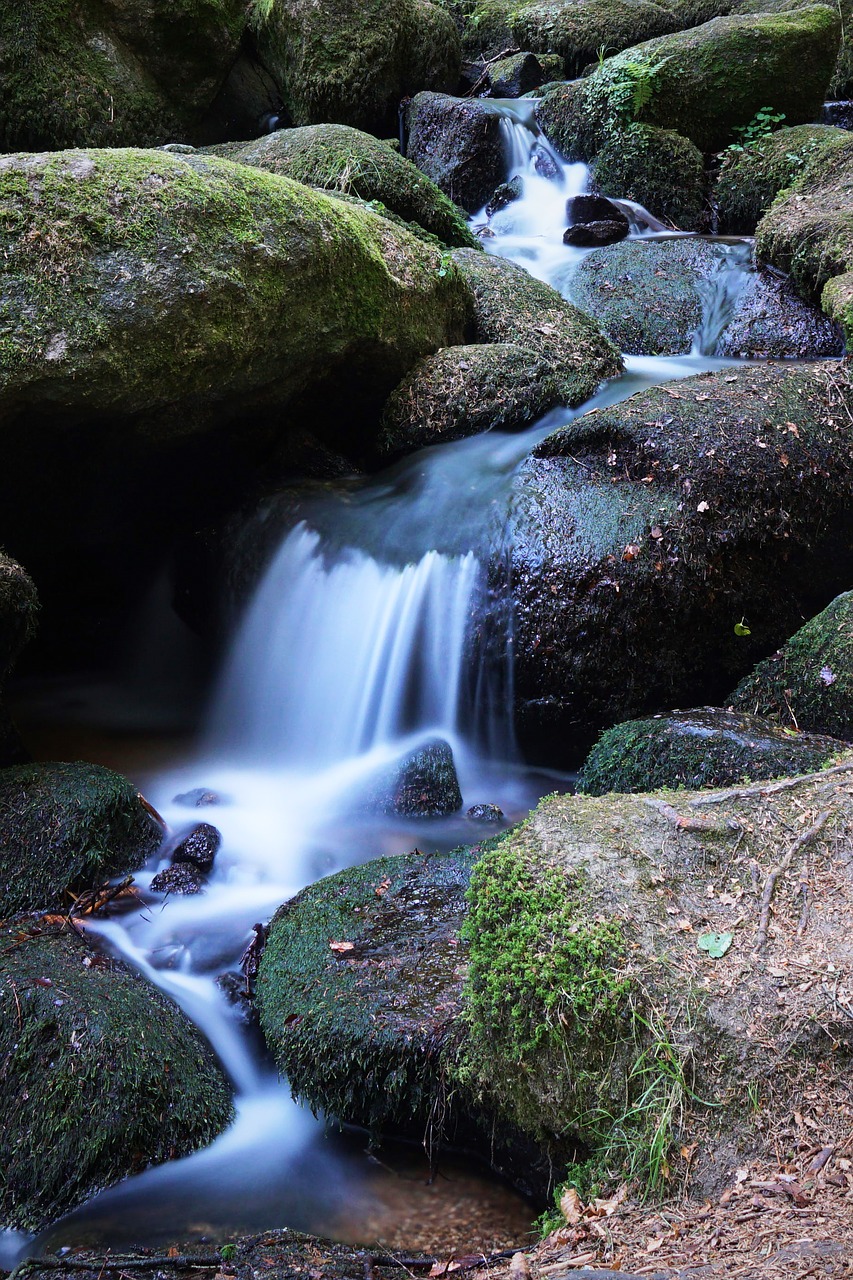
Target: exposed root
{"x": 778, "y": 871}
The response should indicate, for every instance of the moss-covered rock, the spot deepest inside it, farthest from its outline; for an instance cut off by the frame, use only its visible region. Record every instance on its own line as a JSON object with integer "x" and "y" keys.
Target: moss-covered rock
{"x": 138, "y": 280}
{"x": 808, "y": 230}
{"x": 577, "y": 30}
{"x": 461, "y": 391}
{"x": 510, "y": 306}
{"x": 658, "y": 169}
{"x": 351, "y": 61}
{"x": 19, "y": 607}
{"x": 423, "y": 784}
{"x": 576, "y": 996}
{"x": 458, "y": 144}
{"x": 651, "y": 297}
{"x": 346, "y": 161}
{"x": 101, "y": 1074}
{"x": 841, "y": 84}
{"x": 703, "y": 83}
{"x": 515, "y": 75}
{"x": 703, "y": 747}
{"x": 81, "y": 73}
{"x": 397, "y": 922}
{"x": 65, "y": 828}
{"x": 750, "y": 179}
{"x": 808, "y": 683}
{"x": 643, "y": 533}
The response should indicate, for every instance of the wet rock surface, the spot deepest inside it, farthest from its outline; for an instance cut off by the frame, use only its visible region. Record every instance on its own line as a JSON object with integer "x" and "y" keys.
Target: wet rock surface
{"x": 593, "y": 221}
{"x": 199, "y": 848}
{"x": 66, "y": 828}
{"x": 703, "y": 747}
{"x": 81, "y": 1035}
{"x": 423, "y": 784}
{"x": 180, "y": 878}
{"x": 457, "y": 143}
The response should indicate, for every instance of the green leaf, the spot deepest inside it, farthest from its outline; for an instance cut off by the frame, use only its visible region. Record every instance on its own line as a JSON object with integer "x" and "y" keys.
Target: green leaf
{"x": 741, "y": 630}
{"x": 716, "y": 944}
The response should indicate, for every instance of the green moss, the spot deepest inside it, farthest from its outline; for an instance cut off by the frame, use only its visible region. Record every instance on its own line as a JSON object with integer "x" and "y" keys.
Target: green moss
{"x": 544, "y": 993}
{"x": 841, "y": 85}
{"x": 65, "y": 828}
{"x": 510, "y": 306}
{"x": 19, "y": 606}
{"x": 700, "y": 748}
{"x": 75, "y": 75}
{"x": 360, "y": 1033}
{"x": 808, "y": 683}
{"x": 749, "y": 180}
{"x": 351, "y": 61}
{"x": 658, "y": 169}
{"x": 137, "y": 280}
{"x": 703, "y": 83}
{"x": 101, "y": 1075}
{"x": 345, "y": 161}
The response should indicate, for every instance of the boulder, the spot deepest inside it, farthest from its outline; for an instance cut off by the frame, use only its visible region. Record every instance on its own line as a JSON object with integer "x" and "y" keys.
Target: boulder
{"x": 345, "y": 161}
{"x": 517, "y": 74}
{"x": 644, "y": 532}
{"x": 102, "y": 1075}
{"x": 65, "y": 828}
{"x": 200, "y": 847}
{"x": 656, "y": 168}
{"x": 510, "y": 306}
{"x": 752, "y": 177}
{"x": 598, "y": 974}
{"x": 181, "y": 878}
{"x": 703, "y": 747}
{"x": 506, "y": 193}
{"x": 808, "y": 683}
{"x": 348, "y": 63}
{"x": 166, "y": 319}
{"x": 841, "y": 84}
{"x": 19, "y": 607}
{"x": 593, "y": 221}
{"x": 83, "y": 73}
{"x": 651, "y": 297}
{"x": 458, "y": 143}
{"x": 461, "y": 391}
{"x": 807, "y": 231}
{"x": 423, "y": 784}
{"x": 703, "y": 83}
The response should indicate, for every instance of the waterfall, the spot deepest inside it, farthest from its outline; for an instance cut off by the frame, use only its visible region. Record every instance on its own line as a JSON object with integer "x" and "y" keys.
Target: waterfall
{"x": 720, "y": 294}
{"x": 339, "y": 656}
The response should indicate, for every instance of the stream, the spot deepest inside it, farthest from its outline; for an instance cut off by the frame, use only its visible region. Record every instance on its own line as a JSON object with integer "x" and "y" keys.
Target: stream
{"x": 356, "y": 648}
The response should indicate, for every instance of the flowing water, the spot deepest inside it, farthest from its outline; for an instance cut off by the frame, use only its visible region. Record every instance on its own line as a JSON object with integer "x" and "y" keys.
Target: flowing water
{"x": 359, "y": 645}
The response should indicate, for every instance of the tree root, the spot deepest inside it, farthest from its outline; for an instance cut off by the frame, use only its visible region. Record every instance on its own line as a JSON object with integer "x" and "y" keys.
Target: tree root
{"x": 778, "y": 871}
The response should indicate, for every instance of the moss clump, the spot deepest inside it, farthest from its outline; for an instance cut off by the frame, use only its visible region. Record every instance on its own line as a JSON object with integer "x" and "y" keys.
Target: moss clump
{"x": 19, "y": 607}
{"x": 345, "y": 161}
{"x": 461, "y": 391}
{"x": 140, "y": 282}
{"x": 841, "y": 84}
{"x": 510, "y": 306}
{"x": 545, "y": 996}
{"x": 657, "y": 168}
{"x": 750, "y": 179}
{"x": 808, "y": 683}
{"x": 706, "y": 747}
{"x": 351, "y": 61}
{"x": 360, "y": 1031}
{"x": 75, "y": 75}
{"x": 703, "y": 83}
{"x": 65, "y": 828}
{"x": 101, "y": 1075}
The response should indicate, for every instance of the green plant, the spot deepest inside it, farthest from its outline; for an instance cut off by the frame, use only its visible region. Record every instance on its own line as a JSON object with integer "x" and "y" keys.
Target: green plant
{"x": 634, "y": 82}
{"x": 764, "y": 122}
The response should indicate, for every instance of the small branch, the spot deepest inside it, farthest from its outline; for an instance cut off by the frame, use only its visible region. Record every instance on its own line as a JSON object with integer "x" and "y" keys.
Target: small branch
{"x": 705, "y": 826}
{"x": 86, "y": 904}
{"x": 182, "y": 1262}
{"x": 768, "y": 788}
{"x": 778, "y": 871}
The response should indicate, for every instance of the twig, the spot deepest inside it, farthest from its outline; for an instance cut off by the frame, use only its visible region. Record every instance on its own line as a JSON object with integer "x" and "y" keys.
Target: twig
{"x": 86, "y": 904}
{"x": 703, "y": 825}
{"x": 778, "y": 871}
{"x": 180, "y": 1263}
{"x": 768, "y": 788}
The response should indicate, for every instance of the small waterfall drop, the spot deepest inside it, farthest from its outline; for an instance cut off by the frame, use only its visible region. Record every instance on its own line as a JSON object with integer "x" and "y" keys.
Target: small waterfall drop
{"x": 720, "y": 296}
{"x": 339, "y": 656}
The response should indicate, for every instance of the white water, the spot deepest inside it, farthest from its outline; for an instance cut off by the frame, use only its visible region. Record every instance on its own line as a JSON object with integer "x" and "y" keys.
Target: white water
{"x": 344, "y": 661}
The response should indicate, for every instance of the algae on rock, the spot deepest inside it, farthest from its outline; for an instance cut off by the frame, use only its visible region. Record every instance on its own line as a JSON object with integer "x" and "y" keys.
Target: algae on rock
{"x": 102, "y": 1074}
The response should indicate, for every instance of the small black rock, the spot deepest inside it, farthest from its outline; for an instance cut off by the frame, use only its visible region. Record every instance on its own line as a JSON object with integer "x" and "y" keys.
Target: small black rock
{"x": 592, "y": 235}
{"x": 485, "y": 813}
{"x": 200, "y": 847}
{"x": 182, "y": 877}
{"x": 198, "y": 798}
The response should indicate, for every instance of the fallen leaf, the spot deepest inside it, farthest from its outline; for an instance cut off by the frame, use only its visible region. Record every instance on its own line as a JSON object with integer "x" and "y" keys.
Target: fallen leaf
{"x": 827, "y": 675}
{"x": 342, "y": 947}
{"x": 571, "y": 1206}
{"x": 703, "y": 506}
{"x": 631, "y": 551}
{"x": 382, "y": 887}
{"x": 716, "y": 944}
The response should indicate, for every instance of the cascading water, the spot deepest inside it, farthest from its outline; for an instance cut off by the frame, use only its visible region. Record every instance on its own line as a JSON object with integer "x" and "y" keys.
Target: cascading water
{"x": 358, "y": 645}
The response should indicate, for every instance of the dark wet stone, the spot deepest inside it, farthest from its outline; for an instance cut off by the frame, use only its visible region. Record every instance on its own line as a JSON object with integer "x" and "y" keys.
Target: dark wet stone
{"x": 183, "y": 877}
{"x": 198, "y": 798}
{"x": 199, "y": 848}
{"x": 485, "y": 813}
{"x": 505, "y": 194}
{"x": 458, "y": 143}
{"x": 234, "y": 988}
{"x": 423, "y": 784}
{"x": 592, "y": 235}
{"x": 544, "y": 164}
{"x": 586, "y": 208}
{"x": 511, "y": 77}
{"x": 839, "y": 114}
